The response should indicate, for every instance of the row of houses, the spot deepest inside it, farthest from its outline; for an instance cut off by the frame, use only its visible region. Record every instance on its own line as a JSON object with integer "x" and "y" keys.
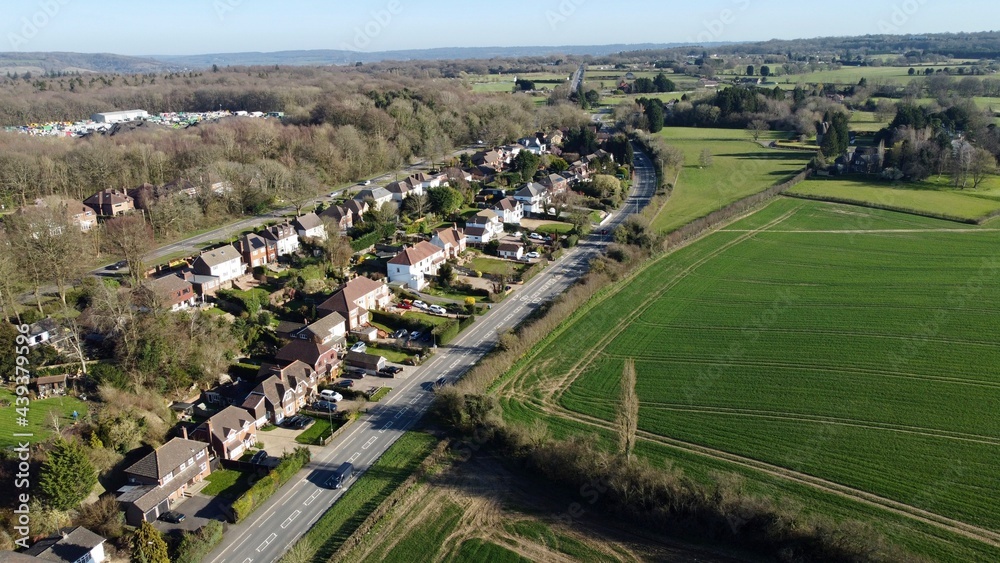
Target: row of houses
{"x": 311, "y": 355}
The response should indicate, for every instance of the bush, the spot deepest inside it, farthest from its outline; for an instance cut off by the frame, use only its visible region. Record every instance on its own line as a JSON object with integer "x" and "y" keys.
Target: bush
{"x": 194, "y": 546}
{"x": 571, "y": 241}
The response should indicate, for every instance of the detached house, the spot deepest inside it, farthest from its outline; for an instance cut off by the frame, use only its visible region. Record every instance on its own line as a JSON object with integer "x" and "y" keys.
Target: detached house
{"x": 215, "y": 269}
{"x": 511, "y": 250}
{"x": 339, "y": 216}
{"x": 330, "y": 329}
{"x": 493, "y": 159}
{"x": 555, "y": 183}
{"x": 69, "y": 545}
{"x": 319, "y": 357}
{"x": 401, "y": 190}
{"x": 253, "y": 248}
{"x": 483, "y": 227}
{"x": 533, "y": 145}
{"x": 310, "y": 226}
{"x": 110, "y": 203}
{"x": 534, "y": 197}
{"x": 81, "y": 215}
{"x": 229, "y": 432}
{"x": 422, "y": 181}
{"x": 451, "y": 239}
{"x": 380, "y": 196}
{"x": 357, "y": 208}
{"x": 162, "y": 477}
{"x": 411, "y": 266}
{"x": 510, "y": 211}
{"x": 173, "y": 292}
{"x": 281, "y": 240}
{"x": 355, "y": 298}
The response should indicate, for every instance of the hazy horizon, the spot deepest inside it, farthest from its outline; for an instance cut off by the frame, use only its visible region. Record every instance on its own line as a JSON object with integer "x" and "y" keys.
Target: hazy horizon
{"x": 189, "y": 27}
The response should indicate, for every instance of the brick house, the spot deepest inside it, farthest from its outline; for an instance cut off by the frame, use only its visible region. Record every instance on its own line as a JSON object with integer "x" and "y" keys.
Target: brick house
{"x": 451, "y": 239}
{"x": 229, "y": 432}
{"x": 173, "y": 292}
{"x": 162, "y": 477}
{"x": 355, "y": 299}
{"x": 110, "y": 203}
{"x": 253, "y": 249}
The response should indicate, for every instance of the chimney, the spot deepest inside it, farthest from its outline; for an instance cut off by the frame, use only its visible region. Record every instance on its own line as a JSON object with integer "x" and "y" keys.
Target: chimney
{"x": 184, "y": 432}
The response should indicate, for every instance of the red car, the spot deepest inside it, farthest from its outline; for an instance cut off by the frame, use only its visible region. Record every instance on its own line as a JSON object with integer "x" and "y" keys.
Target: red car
{"x": 405, "y": 305}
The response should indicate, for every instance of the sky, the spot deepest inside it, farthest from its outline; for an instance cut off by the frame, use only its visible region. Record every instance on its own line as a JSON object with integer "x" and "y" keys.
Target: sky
{"x": 183, "y": 27}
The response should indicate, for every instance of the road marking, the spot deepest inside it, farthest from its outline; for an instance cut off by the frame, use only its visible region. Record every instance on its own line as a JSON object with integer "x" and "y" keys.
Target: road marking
{"x": 248, "y": 560}
{"x": 388, "y": 425}
{"x": 269, "y": 514}
{"x": 267, "y": 542}
{"x": 402, "y": 412}
{"x": 311, "y": 498}
{"x": 369, "y": 443}
{"x": 288, "y": 521}
{"x": 415, "y": 399}
{"x": 354, "y": 457}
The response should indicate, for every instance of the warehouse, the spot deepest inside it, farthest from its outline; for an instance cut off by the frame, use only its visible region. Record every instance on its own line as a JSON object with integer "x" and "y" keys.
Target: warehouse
{"x": 119, "y": 116}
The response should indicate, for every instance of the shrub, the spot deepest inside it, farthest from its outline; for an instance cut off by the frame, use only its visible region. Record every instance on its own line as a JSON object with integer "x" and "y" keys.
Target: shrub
{"x": 194, "y": 546}
{"x": 262, "y": 490}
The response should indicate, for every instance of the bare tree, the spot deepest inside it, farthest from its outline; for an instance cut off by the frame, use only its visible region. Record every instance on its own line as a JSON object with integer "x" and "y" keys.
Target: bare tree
{"x": 336, "y": 248}
{"x": 756, "y": 128}
{"x": 50, "y": 248}
{"x": 982, "y": 165}
{"x": 627, "y": 418}
{"x": 416, "y": 205}
{"x": 705, "y": 158}
{"x": 130, "y": 237}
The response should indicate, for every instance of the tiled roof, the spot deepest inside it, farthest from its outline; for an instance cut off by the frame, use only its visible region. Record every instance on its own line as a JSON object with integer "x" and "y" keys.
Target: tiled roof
{"x": 415, "y": 254}
{"x": 69, "y": 544}
{"x": 166, "y": 458}
{"x": 308, "y": 222}
{"x": 229, "y": 419}
{"x": 218, "y": 256}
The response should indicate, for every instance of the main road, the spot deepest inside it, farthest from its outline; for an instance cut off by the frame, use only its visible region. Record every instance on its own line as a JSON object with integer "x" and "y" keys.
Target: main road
{"x": 281, "y": 521}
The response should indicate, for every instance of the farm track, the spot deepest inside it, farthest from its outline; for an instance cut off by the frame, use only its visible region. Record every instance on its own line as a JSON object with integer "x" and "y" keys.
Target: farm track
{"x": 545, "y": 395}
{"x": 790, "y": 416}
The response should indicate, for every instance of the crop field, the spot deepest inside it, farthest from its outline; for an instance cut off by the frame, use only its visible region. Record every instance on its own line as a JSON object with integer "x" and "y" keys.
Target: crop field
{"x": 853, "y": 74}
{"x": 935, "y": 197}
{"x": 740, "y": 167}
{"x": 845, "y": 356}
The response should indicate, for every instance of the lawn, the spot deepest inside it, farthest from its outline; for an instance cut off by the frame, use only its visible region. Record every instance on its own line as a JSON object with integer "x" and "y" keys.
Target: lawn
{"x": 321, "y": 428}
{"x": 227, "y": 483}
{"x": 851, "y": 75}
{"x": 340, "y": 521}
{"x": 394, "y": 356}
{"x": 935, "y": 198}
{"x": 493, "y": 265}
{"x": 554, "y": 227}
{"x": 40, "y": 412}
{"x": 740, "y": 167}
{"x": 850, "y": 344}
{"x": 426, "y": 538}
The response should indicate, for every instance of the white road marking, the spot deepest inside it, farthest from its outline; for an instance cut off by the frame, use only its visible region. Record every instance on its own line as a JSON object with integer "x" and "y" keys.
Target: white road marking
{"x": 402, "y": 412}
{"x": 288, "y": 521}
{"x": 267, "y": 542}
{"x": 387, "y": 426}
{"x": 311, "y": 498}
{"x": 369, "y": 443}
{"x": 354, "y": 457}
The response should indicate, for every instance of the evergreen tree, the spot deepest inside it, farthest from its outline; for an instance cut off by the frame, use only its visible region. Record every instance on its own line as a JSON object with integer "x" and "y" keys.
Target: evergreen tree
{"x": 147, "y": 545}
{"x": 67, "y": 477}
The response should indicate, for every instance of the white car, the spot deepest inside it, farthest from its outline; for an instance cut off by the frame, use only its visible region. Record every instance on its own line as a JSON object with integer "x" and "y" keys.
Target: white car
{"x": 331, "y": 395}
{"x": 532, "y": 255}
{"x": 359, "y": 347}
{"x": 420, "y": 304}
{"x": 536, "y": 236}
{"x": 438, "y": 310}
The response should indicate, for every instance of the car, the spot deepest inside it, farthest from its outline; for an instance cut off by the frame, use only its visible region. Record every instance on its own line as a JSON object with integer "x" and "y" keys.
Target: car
{"x": 390, "y": 371}
{"x": 331, "y": 395}
{"x": 344, "y": 383}
{"x": 536, "y": 236}
{"x": 366, "y": 183}
{"x": 405, "y": 305}
{"x": 359, "y": 347}
{"x": 441, "y": 381}
{"x": 302, "y": 422}
{"x": 117, "y": 265}
{"x": 258, "y": 457}
{"x": 420, "y": 304}
{"x": 325, "y": 406}
{"x": 290, "y": 422}
{"x": 437, "y": 310}
{"x": 532, "y": 255}
{"x": 335, "y": 194}
{"x": 401, "y": 333}
{"x": 415, "y": 335}
{"x": 172, "y": 517}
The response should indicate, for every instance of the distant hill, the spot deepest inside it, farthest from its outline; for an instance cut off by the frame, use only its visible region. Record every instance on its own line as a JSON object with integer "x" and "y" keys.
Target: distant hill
{"x": 40, "y": 63}
{"x": 341, "y": 57}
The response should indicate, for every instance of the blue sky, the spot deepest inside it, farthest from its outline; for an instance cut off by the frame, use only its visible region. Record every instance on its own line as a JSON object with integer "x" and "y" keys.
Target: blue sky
{"x": 210, "y": 26}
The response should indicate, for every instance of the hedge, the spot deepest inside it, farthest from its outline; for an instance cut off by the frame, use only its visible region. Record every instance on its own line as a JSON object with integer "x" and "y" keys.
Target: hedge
{"x": 533, "y": 271}
{"x": 270, "y": 483}
{"x": 195, "y": 546}
{"x": 366, "y": 241}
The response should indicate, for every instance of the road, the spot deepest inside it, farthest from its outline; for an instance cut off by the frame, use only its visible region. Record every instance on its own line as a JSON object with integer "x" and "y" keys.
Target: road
{"x": 277, "y": 525}
{"x": 578, "y": 78}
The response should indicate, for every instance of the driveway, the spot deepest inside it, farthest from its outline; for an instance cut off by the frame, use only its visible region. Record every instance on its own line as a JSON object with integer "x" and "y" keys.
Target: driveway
{"x": 198, "y": 510}
{"x": 281, "y": 440}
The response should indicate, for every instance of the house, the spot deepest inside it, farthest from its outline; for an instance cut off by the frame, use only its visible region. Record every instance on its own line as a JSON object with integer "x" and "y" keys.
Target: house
{"x": 510, "y": 152}
{"x": 355, "y": 298}
{"x": 483, "y": 227}
{"x": 484, "y": 174}
{"x": 173, "y": 292}
{"x": 330, "y": 329}
{"x": 223, "y": 263}
{"x": 229, "y": 393}
{"x": 43, "y": 331}
{"x": 533, "y": 145}
{"x": 451, "y": 239}
{"x": 368, "y": 363}
{"x": 69, "y": 545}
{"x": 283, "y": 393}
{"x": 534, "y": 197}
{"x": 339, "y": 216}
{"x": 110, "y": 203}
{"x": 357, "y": 209}
{"x": 162, "y": 477}
{"x": 81, "y": 215}
{"x": 555, "y": 137}
{"x": 494, "y": 159}
{"x": 422, "y": 181}
{"x": 318, "y": 356}
{"x": 412, "y": 265}
{"x": 310, "y": 226}
{"x": 253, "y": 249}
{"x": 555, "y": 183}
{"x": 380, "y": 196}
{"x": 400, "y": 190}
{"x": 281, "y": 239}
{"x": 51, "y": 385}
{"x": 511, "y": 250}
{"x": 510, "y": 211}
{"x": 455, "y": 174}
{"x": 229, "y": 432}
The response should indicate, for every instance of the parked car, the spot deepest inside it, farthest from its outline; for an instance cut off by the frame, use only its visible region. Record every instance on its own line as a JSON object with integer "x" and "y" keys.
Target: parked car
{"x": 172, "y": 517}
{"x": 415, "y": 335}
{"x": 331, "y": 395}
{"x": 258, "y": 457}
{"x": 532, "y": 255}
{"x": 440, "y": 382}
{"x": 390, "y": 371}
{"x": 437, "y": 310}
{"x": 325, "y": 406}
{"x": 359, "y": 347}
{"x": 401, "y": 333}
{"x": 405, "y": 305}
{"x": 536, "y": 236}
{"x": 419, "y": 304}
{"x": 302, "y": 422}
{"x": 344, "y": 383}
{"x": 291, "y": 421}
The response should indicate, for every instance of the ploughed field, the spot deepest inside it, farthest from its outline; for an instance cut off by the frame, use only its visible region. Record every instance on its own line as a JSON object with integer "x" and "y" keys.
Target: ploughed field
{"x": 856, "y": 345}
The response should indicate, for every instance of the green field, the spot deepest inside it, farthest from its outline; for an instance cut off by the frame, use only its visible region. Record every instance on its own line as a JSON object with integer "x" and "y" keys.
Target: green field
{"x": 740, "y": 167}
{"x": 425, "y": 538}
{"x": 848, "y": 75}
{"x": 827, "y": 341}
{"x": 40, "y": 415}
{"x": 477, "y": 550}
{"x": 935, "y": 197}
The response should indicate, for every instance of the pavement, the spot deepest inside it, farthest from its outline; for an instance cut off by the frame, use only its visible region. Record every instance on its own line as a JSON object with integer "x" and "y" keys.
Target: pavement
{"x": 285, "y": 517}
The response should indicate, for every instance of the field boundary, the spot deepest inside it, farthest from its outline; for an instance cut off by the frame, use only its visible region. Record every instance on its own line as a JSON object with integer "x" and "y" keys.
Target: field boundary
{"x": 895, "y": 208}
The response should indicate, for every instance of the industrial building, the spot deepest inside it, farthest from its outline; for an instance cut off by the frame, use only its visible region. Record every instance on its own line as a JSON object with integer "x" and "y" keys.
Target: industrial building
{"x": 119, "y": 116}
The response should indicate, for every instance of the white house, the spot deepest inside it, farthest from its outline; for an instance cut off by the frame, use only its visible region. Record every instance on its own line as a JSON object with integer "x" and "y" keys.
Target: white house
{"x": 282, "y": 239}
{"x": 422, "y": 181}
{"x": 533, "y": 145}
{"x": 451, "y": 239}
{"x": 411, "y": 266}
{"x": 310, "y": 226}
{"x": 224, "y": 263}
{"x": 483, "y": 227}
{"x": 73, "y": 545}
{"x": 533, "y": 196}
{"x": 402, "y": 190}
{"x": 510, "y": 210}
{"x": 511, "y": 250}
{"x": 380, "y": 196}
